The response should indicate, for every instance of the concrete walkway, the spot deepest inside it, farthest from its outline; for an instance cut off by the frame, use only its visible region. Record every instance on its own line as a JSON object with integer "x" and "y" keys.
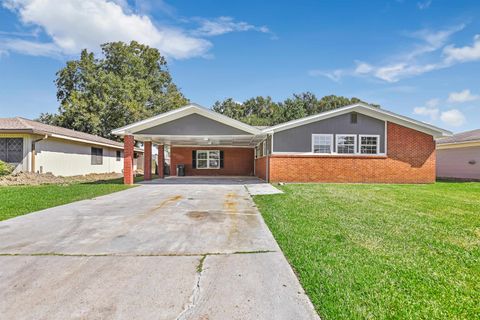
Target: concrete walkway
{"x": 158, "y": 251}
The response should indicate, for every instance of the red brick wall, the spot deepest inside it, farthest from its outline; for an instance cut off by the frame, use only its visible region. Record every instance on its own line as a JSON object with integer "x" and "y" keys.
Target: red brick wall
{"x": 128, "y": 147}
{"x": 410, "y": 159}
{"x": 237, "y": 161}
{"x": 261, "y": 168}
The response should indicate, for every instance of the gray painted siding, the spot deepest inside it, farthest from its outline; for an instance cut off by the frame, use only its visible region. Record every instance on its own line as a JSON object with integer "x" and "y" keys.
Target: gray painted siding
{"x": 454, "y": 163}
{"x": 193, "y": 125}
{"x": 299, "y": 139}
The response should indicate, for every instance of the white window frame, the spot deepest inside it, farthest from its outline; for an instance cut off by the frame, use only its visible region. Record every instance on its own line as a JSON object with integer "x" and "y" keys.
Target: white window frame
{"x": 332, "y": 142}
{"x": 264, "y": 148}
{"x": 208, "y": 159}
{"x": 368, "y": 136}
{"x": 337, "y": 139}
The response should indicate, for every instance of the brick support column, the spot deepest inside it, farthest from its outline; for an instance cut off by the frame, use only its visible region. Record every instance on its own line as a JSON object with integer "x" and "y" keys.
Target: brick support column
{"x": 147, "y": 165}
{"x": 160, "y": 161}
{"x": 128, "y": 143}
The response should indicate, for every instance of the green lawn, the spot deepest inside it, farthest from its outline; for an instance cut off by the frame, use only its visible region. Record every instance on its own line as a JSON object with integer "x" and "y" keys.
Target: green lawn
{"x": 19, "y": 200}
{"x": 382, "y": 251}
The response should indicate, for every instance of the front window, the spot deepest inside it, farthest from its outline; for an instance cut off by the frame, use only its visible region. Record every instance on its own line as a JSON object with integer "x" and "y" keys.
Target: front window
{"x": 208, "y": 159}
{"x": 369, "y": 144}
{"x": 346, "y": 144}
{"x": 322, "y": 143}
{"x": 96, "y": 156}
{"x": 11, "y": 150}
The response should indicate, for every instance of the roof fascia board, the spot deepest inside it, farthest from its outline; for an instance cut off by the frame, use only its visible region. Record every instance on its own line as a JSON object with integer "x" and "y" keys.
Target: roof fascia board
{"x": 463, "y": 144}
{"x": 59, "y": 136}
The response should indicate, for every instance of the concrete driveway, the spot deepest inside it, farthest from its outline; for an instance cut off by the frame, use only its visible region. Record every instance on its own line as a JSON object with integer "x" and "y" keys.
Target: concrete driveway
{"x": 186, "y": 250}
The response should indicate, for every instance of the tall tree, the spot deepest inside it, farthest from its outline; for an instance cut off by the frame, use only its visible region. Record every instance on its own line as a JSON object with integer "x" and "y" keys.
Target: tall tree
{"x": 262, "y": 111}
{"x": 130, "y": 82}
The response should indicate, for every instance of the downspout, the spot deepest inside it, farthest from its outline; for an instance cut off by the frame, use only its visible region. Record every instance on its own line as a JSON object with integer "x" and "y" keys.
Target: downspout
{"x": 34, "y": 151}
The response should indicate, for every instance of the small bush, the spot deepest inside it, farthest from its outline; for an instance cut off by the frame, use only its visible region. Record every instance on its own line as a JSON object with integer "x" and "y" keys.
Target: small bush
{"x": 5, "y": 168}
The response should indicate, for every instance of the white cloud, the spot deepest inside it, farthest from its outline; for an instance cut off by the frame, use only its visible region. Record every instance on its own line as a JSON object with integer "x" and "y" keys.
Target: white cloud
{"x": 430, "y": 109}
{"x": 30, "y": 47}
{"x": 363, "y": 68}
{"x": 453, "y": 117}
{"x": 463, "y": 54}
{"x": 335, "y": 75}
{"x": 222, "y": 25}
{"x": 77, "y": 24}
{"x": 462, "y": 96}
{"x": 426, "y": 111}
{"x": 411, "y": 63}
{"x": 432, "y": 103}
{"x": 422, "y": 5}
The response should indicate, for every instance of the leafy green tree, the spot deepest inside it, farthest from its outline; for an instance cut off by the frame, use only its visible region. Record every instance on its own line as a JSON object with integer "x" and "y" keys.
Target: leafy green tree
{"x": 130, "y": 82}
{"x": 262, "y": 111}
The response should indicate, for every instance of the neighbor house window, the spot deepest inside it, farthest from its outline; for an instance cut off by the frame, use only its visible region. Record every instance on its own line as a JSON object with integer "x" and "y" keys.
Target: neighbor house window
{"x": 346, "y": 143}
{"x": 369, "y": 144}
{"x": 11, "y": 150}
{"x": 208, "y": 159}
{"x": 119, "y": 155}
{"x": 97, "y": 156}
{"x": 322, "y": 143}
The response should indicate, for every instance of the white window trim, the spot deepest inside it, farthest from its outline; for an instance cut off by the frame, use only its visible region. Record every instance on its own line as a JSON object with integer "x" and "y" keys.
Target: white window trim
{"x": 208, "y": 159}
{"x": 332, "y": 145}
{"x": 366, "y": 136}
{"x": 355, "y": 148}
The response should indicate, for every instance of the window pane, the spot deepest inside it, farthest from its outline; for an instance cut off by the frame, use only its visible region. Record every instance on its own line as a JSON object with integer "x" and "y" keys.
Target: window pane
{"x": 322, "y": 144}
{"x": 215, "y": 154}
{"x": 202, "y": 154}
{"x": 368, "y": 145}
{"x": 214, "y": 163}
{"x": 346, "y": 144}
{"x": 3, "y": 149}
{"x": 201, "y": 164}
{"x": 14, "y": 150}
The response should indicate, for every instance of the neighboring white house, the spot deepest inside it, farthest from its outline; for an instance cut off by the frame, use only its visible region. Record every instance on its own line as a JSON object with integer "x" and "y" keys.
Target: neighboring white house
{"x": 32, "y": 146}
{"x": 458, "y": 156}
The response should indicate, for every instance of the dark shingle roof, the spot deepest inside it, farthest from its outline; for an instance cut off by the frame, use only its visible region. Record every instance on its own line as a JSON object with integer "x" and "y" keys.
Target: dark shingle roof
{"x": 22, "y": 124}
{"x": 466, "y": 136}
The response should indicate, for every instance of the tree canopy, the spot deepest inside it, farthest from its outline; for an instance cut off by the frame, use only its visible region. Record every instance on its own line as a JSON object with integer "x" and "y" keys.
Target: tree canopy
{"x": 130, "y": 82}
{"x": 262, "y": 111}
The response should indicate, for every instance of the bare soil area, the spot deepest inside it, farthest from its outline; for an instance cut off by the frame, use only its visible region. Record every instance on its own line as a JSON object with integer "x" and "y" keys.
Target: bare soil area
{"x": 26, "y": 178}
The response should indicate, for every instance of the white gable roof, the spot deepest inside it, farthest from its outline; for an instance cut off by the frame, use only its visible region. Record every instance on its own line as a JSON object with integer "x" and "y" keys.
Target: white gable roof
{"x": 182, "y": 112}
{"x": 365, "y": 109}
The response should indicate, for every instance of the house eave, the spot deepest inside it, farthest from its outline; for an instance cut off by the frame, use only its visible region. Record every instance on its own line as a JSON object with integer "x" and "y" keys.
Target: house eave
{"x": 369, "y": 111}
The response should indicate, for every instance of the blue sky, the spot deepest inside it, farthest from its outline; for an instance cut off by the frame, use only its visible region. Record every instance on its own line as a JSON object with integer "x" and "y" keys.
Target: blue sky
{"x": 418, "y": 58}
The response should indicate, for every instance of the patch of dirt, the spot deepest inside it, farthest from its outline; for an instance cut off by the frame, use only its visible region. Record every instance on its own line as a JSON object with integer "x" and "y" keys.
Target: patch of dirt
{"x": 27, "y": 178}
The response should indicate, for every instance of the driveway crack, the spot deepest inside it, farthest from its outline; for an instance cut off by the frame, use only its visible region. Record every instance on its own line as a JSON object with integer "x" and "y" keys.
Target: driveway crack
{"x": 195, "y": 296}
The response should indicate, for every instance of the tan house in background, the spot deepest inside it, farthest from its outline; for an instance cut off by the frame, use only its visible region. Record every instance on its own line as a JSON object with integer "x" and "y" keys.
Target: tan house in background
{"x": 32, "y": 146}
{"x": 458, "y": 156}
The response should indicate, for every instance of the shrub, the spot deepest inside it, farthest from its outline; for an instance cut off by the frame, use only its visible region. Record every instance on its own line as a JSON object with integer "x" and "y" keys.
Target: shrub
{"x": 5, "y": 168}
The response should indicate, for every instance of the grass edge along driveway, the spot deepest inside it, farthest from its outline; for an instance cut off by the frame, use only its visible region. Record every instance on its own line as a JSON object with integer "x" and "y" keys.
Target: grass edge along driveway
{"x": 382, "y": 251}
{"x": 19, "y": 200}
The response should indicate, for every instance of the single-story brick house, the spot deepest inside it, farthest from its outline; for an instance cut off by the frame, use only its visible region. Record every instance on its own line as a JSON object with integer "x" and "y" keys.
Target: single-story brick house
{"x": 31, "y": 146}
{"x": 356, "y": 143}
{"x": 458, "y": 156}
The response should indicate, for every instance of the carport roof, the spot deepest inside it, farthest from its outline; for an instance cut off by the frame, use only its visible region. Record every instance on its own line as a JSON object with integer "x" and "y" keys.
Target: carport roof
{"x": 183, "y": 112}
{"x": 193, "y": 125}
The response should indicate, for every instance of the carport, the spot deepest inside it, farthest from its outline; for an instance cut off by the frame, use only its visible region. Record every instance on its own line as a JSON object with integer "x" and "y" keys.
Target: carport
{"x": 205, "y": 142}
